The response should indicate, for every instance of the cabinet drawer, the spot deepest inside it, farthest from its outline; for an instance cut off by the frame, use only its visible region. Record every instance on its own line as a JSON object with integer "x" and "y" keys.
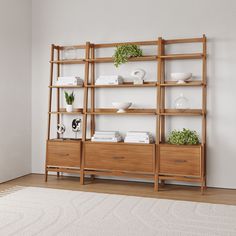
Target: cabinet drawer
{"x": 64, "y": 153}
{"x": 180, "y": 160}
{"x": 120, "y": 157}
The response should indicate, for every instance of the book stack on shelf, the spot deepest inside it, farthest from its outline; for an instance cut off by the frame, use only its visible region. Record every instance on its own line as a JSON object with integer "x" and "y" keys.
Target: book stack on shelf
{"x": 138, "y": 137}
{"x": 106, "y": 136}
{"x": 109, "y": 80}
{"x": 69, "y": 80}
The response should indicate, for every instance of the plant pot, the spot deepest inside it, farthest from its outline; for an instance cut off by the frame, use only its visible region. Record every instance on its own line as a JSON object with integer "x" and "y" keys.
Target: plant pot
{"x": 69, "y": 108}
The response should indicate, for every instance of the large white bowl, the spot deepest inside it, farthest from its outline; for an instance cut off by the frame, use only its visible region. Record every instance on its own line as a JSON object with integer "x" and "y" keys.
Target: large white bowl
{"x": 121, "y": 106}
{"x": 181, "y": 77}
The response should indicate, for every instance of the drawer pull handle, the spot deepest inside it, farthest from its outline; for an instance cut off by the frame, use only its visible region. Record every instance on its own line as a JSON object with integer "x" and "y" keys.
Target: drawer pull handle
{"x": 180, "y": 161}
{"x": 118, "y": 158}
{"x": 64, "y": 155}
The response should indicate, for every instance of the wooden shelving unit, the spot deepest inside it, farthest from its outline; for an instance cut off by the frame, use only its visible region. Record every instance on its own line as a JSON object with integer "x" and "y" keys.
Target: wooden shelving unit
{"x": 181, "y": 162}
{"x": 157, "y": 161}
{"x": 63, "y": 155}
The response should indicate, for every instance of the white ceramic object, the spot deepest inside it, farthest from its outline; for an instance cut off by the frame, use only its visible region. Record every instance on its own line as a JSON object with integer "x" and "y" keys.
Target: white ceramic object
{"x": 181, "y": 77}
{"x": 138, "y": 73}
{"x": 181, "y": 102}
{"x": 121, "y": 106}
{"x": 69, "y": 108}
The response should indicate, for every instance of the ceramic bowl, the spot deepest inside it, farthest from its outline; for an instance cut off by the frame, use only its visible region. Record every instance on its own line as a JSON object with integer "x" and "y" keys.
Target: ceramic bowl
{"x": 181, "y": 77}
{"x": 121, "y": 106}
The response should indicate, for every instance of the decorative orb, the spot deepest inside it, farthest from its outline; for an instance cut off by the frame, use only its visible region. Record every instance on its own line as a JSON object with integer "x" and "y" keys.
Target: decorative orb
{"x": 181, "y": 102}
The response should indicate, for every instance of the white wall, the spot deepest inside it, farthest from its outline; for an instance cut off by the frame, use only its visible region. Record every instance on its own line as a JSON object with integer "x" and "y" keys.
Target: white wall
{"x": 77, "y": 21}
{"x": 15, "y": 88}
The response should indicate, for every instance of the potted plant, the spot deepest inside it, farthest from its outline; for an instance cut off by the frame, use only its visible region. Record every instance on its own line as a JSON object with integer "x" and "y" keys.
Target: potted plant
{"x": 69, "y": 101}
{"x": 184, "y": 137}
{"x": 124, "y": 52}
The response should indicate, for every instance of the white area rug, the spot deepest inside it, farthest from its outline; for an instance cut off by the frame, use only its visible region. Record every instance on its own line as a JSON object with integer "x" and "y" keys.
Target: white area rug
{"x": 41, "y": 211}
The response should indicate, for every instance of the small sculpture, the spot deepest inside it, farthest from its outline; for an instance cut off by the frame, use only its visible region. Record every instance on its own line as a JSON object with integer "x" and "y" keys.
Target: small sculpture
{"x": 76, "y": 126}
{"x": 61, "y": 129}
{"x": 138, "y": 75}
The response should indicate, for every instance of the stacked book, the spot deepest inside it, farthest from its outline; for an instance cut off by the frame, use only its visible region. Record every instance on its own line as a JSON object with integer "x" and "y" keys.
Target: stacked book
{"x": 138, "y": 137}
{"x": 106, "y": 136}
{"x": 69, "y": 81}
{"x": 109, "y": 80}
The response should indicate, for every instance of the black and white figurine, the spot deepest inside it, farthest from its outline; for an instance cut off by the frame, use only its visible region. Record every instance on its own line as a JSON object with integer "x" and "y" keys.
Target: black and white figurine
{"x": 76, "y": 126}
{"x": 61, "y": 129}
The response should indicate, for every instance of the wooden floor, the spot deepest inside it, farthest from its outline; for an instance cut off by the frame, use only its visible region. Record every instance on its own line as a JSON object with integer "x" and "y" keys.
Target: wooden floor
{"x": 212, "y": 195}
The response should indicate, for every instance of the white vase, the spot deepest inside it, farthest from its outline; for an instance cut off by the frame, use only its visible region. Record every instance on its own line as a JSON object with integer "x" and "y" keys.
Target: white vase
{"x": 69, "y": 108}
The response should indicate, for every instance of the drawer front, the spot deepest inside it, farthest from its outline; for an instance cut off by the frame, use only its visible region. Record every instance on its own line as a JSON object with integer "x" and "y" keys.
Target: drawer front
{"x": 120, "y": 157}
{"x": 180, "y": 160}
{"x": 64, "y": 153}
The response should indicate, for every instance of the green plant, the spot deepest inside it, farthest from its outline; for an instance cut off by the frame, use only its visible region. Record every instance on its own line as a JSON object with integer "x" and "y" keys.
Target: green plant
{"x": 69, "y": 98}
{"x": 183, "y": 137}
{"x": 124, "y": 52}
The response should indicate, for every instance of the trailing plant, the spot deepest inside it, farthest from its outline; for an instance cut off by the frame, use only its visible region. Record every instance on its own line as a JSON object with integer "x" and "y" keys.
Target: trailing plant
{"x": 69, "y": 98}
{"x": 124, "y": 52}
{"x": 184, "y": 137}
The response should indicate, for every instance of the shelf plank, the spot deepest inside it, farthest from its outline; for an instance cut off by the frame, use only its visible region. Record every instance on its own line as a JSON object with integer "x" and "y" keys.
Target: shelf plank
{"x": 140, "y": 43}
{"x": 63, "y": 111}
{"x": 124, "y": 85}
{"x": 174, "y": 83}
{"x": 110, "y": 111}
{"x": 189, "y": 40}
{"x": 66, "y": 86}
{"x": 72, "y": 61}
{"x": 182, "y": 56}
{"x": 182, "y": 112}
{"x": 111, "y": 59}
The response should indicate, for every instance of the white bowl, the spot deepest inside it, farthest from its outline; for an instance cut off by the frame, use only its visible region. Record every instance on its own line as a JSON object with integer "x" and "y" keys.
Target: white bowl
{"x": 181, "y": 77}
{"x": 121, "y": 106}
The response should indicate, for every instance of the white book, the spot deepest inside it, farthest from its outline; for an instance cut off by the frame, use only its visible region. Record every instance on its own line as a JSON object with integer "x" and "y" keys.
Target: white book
{"x": 105, "y": 140}
{"x": 137, "y": 138}
{"x": 137, "y": 133}
{"x": 135, "y": 141}
{"x": 107, "y": 132}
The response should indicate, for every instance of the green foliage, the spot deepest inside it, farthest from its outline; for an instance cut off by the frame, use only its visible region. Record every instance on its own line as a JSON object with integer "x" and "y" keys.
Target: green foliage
{"x": 69, "y": 98}
{"x": 124, "y": 52}
{"x": 183, "y": 137}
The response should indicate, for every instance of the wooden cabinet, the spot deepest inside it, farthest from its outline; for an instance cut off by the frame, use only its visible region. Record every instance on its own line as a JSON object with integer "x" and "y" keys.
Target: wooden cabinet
{"x": 63, "y": 154}
{"x": 180, "y": 160}
{"x": 119, "y": 157}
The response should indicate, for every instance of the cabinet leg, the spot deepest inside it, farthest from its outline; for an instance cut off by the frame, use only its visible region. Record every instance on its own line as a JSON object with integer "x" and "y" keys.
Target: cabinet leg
{"x": 46, "y": 176}
{"x": 156, "y": 183}
{"x": 202, "y": 186}
{"x": 92, "y": 177}
{"x": 82, "y": 178}
{"x": 58, "y": 174}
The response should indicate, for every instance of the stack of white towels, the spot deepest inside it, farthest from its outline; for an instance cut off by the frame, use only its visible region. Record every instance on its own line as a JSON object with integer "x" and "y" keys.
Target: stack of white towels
{"x": 106, "y": 136}
{"x": 109, "y": 80}
{"x": 138, "y": 137}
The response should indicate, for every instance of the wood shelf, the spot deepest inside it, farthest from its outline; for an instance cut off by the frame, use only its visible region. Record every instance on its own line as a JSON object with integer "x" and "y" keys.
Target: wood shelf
{"x": 110, "y": 111}
{"x": 175, "y": 84}
{"x": 124, "y": 85}
{"x": 72, "y": 61}
{"x": 63, "y": 111}
{"x": 182, "y": 56}
{"x": 66, "y": 86}
{"x": 182, "y": 112}
{"x": 111, "y": 59}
